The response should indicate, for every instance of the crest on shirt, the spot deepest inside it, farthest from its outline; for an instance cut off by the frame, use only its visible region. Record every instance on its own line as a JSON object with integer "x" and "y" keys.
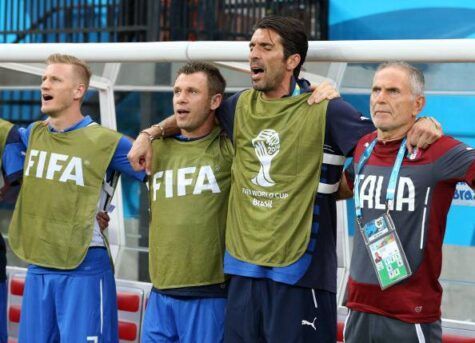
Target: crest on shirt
{"x": 266, "y": 146}
{"x": 416, "y": 153}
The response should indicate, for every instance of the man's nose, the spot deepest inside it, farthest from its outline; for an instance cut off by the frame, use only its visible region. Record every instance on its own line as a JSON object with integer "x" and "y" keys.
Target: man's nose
{"x": 44, "y": 84}
{"x": 380, "y": 96}
{"x": 181, "y": 98}
{"x": 254, "y": 54}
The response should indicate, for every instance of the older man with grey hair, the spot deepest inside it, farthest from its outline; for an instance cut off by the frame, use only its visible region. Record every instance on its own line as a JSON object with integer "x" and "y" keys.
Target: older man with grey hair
{"x": 401, "y": 202}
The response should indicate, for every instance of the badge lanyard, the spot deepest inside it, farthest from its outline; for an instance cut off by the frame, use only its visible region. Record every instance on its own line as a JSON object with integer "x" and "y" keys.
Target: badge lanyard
{"x": 380, "y": 235}
{"x": 392, "y": 179}
{"x": 296, "y": 90}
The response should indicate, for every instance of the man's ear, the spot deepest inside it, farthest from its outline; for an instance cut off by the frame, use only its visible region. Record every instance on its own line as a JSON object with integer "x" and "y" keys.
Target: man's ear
{"x": 419, "y": 104}
{"x": 80, "y": 91}
{"x": 293, "y": 61}
{"x": 216, "y": 101}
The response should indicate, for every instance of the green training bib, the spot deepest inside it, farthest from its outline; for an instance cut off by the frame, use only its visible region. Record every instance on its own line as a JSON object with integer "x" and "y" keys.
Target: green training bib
{"x": 189, "y": 190}
{"x": 53, "y": 221}
{"x": 279, "y": 152}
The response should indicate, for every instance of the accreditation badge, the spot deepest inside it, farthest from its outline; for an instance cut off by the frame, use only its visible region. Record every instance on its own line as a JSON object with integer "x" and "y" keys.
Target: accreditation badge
{"x": 385, "y": 250}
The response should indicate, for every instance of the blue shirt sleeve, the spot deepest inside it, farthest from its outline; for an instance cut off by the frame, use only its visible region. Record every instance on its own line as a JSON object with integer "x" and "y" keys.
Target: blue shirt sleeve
{"x": 225, "y": 113}
{"x": 120, "y": 162}
{"x": 25, "y": 134}
{"x": 345, "y": 125}
{"x": 13, "y": 156}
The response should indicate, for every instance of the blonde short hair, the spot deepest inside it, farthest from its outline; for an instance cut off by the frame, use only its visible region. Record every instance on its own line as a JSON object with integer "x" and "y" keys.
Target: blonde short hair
{"x": 81, "y": 66}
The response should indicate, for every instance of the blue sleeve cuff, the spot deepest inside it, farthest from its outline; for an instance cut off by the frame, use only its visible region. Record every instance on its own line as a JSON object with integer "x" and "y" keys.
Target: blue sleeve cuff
{"x": 120, "y": 162}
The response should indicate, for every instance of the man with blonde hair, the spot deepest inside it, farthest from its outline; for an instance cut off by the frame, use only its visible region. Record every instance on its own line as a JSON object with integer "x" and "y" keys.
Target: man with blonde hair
{"x": 70, "y": 293}
{"x": 82, "y": 70}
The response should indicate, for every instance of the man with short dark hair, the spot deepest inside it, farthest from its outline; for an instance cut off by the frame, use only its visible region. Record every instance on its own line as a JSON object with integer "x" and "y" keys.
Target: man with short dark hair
{"x": 281, "y": 232}
{"x": 401, "y": 201}
{"x": 190, "y": 175}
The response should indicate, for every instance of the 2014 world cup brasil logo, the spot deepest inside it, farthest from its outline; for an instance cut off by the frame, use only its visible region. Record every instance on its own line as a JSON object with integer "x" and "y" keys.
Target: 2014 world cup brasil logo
{"x": 266, "y": 145}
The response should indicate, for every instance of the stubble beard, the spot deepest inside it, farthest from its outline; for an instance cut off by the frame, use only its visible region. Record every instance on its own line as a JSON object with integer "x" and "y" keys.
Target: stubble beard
{"x": 193, "y": 125}
{"x": 262, "y": 88}
{"x": 271, "y": 84}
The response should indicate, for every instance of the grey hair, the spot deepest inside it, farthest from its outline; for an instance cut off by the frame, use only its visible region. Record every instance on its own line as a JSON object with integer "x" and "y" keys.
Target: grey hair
{"x": 416, "y": 76}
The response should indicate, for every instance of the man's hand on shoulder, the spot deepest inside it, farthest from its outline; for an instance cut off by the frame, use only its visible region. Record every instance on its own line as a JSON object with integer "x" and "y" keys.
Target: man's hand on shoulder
{"x": 322, "y": 91}
{"x": 423, "y": 133}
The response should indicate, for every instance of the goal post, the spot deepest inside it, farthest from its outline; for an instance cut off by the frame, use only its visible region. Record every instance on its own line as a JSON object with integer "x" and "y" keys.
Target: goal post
{"x": 327, "y": 60}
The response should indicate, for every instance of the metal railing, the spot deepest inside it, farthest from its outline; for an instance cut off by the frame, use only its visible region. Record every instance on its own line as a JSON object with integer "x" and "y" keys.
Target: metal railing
{"x": 35, "y": 21}
{"x": 78, "y": 21}
{"x": 86, "y": 21}
{"x": 234, "y": 19}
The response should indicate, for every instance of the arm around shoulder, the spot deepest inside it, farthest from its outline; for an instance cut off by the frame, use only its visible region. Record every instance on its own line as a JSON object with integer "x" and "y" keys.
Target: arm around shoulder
{"x": 140, "y": 155}
{"x": 346, "y": 126}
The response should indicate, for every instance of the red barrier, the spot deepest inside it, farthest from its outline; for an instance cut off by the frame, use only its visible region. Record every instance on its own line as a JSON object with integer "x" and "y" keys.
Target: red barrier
{"x": 128, "y": 302}
{"x": 14, "y": 313}
{"x": 127, "y": 331}
{"x": 457, "y": 339}
{"x": 339, "y": 332}
{"x": 17, "y": 285}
